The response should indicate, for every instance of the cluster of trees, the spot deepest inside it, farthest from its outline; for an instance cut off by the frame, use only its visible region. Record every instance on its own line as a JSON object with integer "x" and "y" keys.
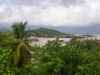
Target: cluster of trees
{"x": 14, "y": 48}
{"x": 75, "y": 58}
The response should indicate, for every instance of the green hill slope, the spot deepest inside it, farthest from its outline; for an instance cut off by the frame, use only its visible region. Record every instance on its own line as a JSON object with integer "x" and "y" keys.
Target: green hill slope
{"x": 43, "y": 32}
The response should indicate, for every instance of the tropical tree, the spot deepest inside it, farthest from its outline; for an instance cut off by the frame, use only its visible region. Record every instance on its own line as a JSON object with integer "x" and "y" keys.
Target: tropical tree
{"x": 5, "y": 39}
{"x": 21, "y": 54}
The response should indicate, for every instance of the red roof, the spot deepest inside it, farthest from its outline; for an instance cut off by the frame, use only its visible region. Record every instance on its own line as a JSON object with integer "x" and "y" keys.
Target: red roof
{"x": 60, "y": 40}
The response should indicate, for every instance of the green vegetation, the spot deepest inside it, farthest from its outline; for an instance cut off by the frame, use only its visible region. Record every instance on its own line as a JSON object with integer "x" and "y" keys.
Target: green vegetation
{"x": 88, "y": 35}
{"x": 43, "y": 32}
{"x": 75, "y": 58}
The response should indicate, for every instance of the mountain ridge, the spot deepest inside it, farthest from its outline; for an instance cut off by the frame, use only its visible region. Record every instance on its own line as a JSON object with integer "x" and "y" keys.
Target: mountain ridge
{"x": 45, "y": 32}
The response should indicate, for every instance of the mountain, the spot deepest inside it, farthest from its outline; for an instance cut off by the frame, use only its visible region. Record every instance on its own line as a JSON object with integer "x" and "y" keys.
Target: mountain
{"x": 44, "y": 32}
{"x": 3, "y": 29}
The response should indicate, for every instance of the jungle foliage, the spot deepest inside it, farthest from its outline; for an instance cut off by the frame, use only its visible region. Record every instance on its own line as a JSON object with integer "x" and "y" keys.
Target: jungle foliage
{"x": 75, "y": 58}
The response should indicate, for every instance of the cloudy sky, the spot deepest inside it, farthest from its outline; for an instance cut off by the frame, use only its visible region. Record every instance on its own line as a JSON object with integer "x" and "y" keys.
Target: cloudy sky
{"x": 70, "y": 16}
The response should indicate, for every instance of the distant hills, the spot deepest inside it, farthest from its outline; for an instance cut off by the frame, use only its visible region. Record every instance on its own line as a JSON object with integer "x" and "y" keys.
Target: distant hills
{"x": 43, "y": 32}
{"x": 3, "y": 29}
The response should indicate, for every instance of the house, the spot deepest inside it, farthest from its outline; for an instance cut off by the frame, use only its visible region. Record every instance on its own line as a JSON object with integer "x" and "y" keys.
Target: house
{"x": 63, "y": 43}
{"x": 60, "y": 41}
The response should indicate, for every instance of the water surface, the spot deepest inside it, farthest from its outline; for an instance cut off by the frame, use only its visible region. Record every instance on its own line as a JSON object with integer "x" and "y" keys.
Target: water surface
{"x": 43, "y": 41}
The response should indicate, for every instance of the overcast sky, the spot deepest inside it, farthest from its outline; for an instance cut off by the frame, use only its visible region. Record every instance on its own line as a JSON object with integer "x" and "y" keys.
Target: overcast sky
{"x": 79, "y": 14}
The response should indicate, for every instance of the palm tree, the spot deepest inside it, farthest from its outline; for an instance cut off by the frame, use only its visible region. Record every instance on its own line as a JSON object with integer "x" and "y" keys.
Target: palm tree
{"x": 21, "y": 55}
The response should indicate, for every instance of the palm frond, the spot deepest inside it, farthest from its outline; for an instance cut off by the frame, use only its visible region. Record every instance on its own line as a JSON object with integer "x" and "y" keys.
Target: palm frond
{"x": 19, "y": 29}
{"x": 29, "y": 40}
{"x": 27, "y": 35}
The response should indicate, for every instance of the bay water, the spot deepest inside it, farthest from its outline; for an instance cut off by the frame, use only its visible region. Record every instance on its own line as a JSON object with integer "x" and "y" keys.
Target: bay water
{"x": 42, "y": 40}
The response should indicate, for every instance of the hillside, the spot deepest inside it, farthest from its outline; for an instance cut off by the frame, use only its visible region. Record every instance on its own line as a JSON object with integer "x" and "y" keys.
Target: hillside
{"x": 43, "y": 32}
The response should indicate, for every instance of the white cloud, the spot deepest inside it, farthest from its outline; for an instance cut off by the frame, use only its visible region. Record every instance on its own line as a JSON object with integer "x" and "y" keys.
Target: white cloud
{"x": 52, "y": 13}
